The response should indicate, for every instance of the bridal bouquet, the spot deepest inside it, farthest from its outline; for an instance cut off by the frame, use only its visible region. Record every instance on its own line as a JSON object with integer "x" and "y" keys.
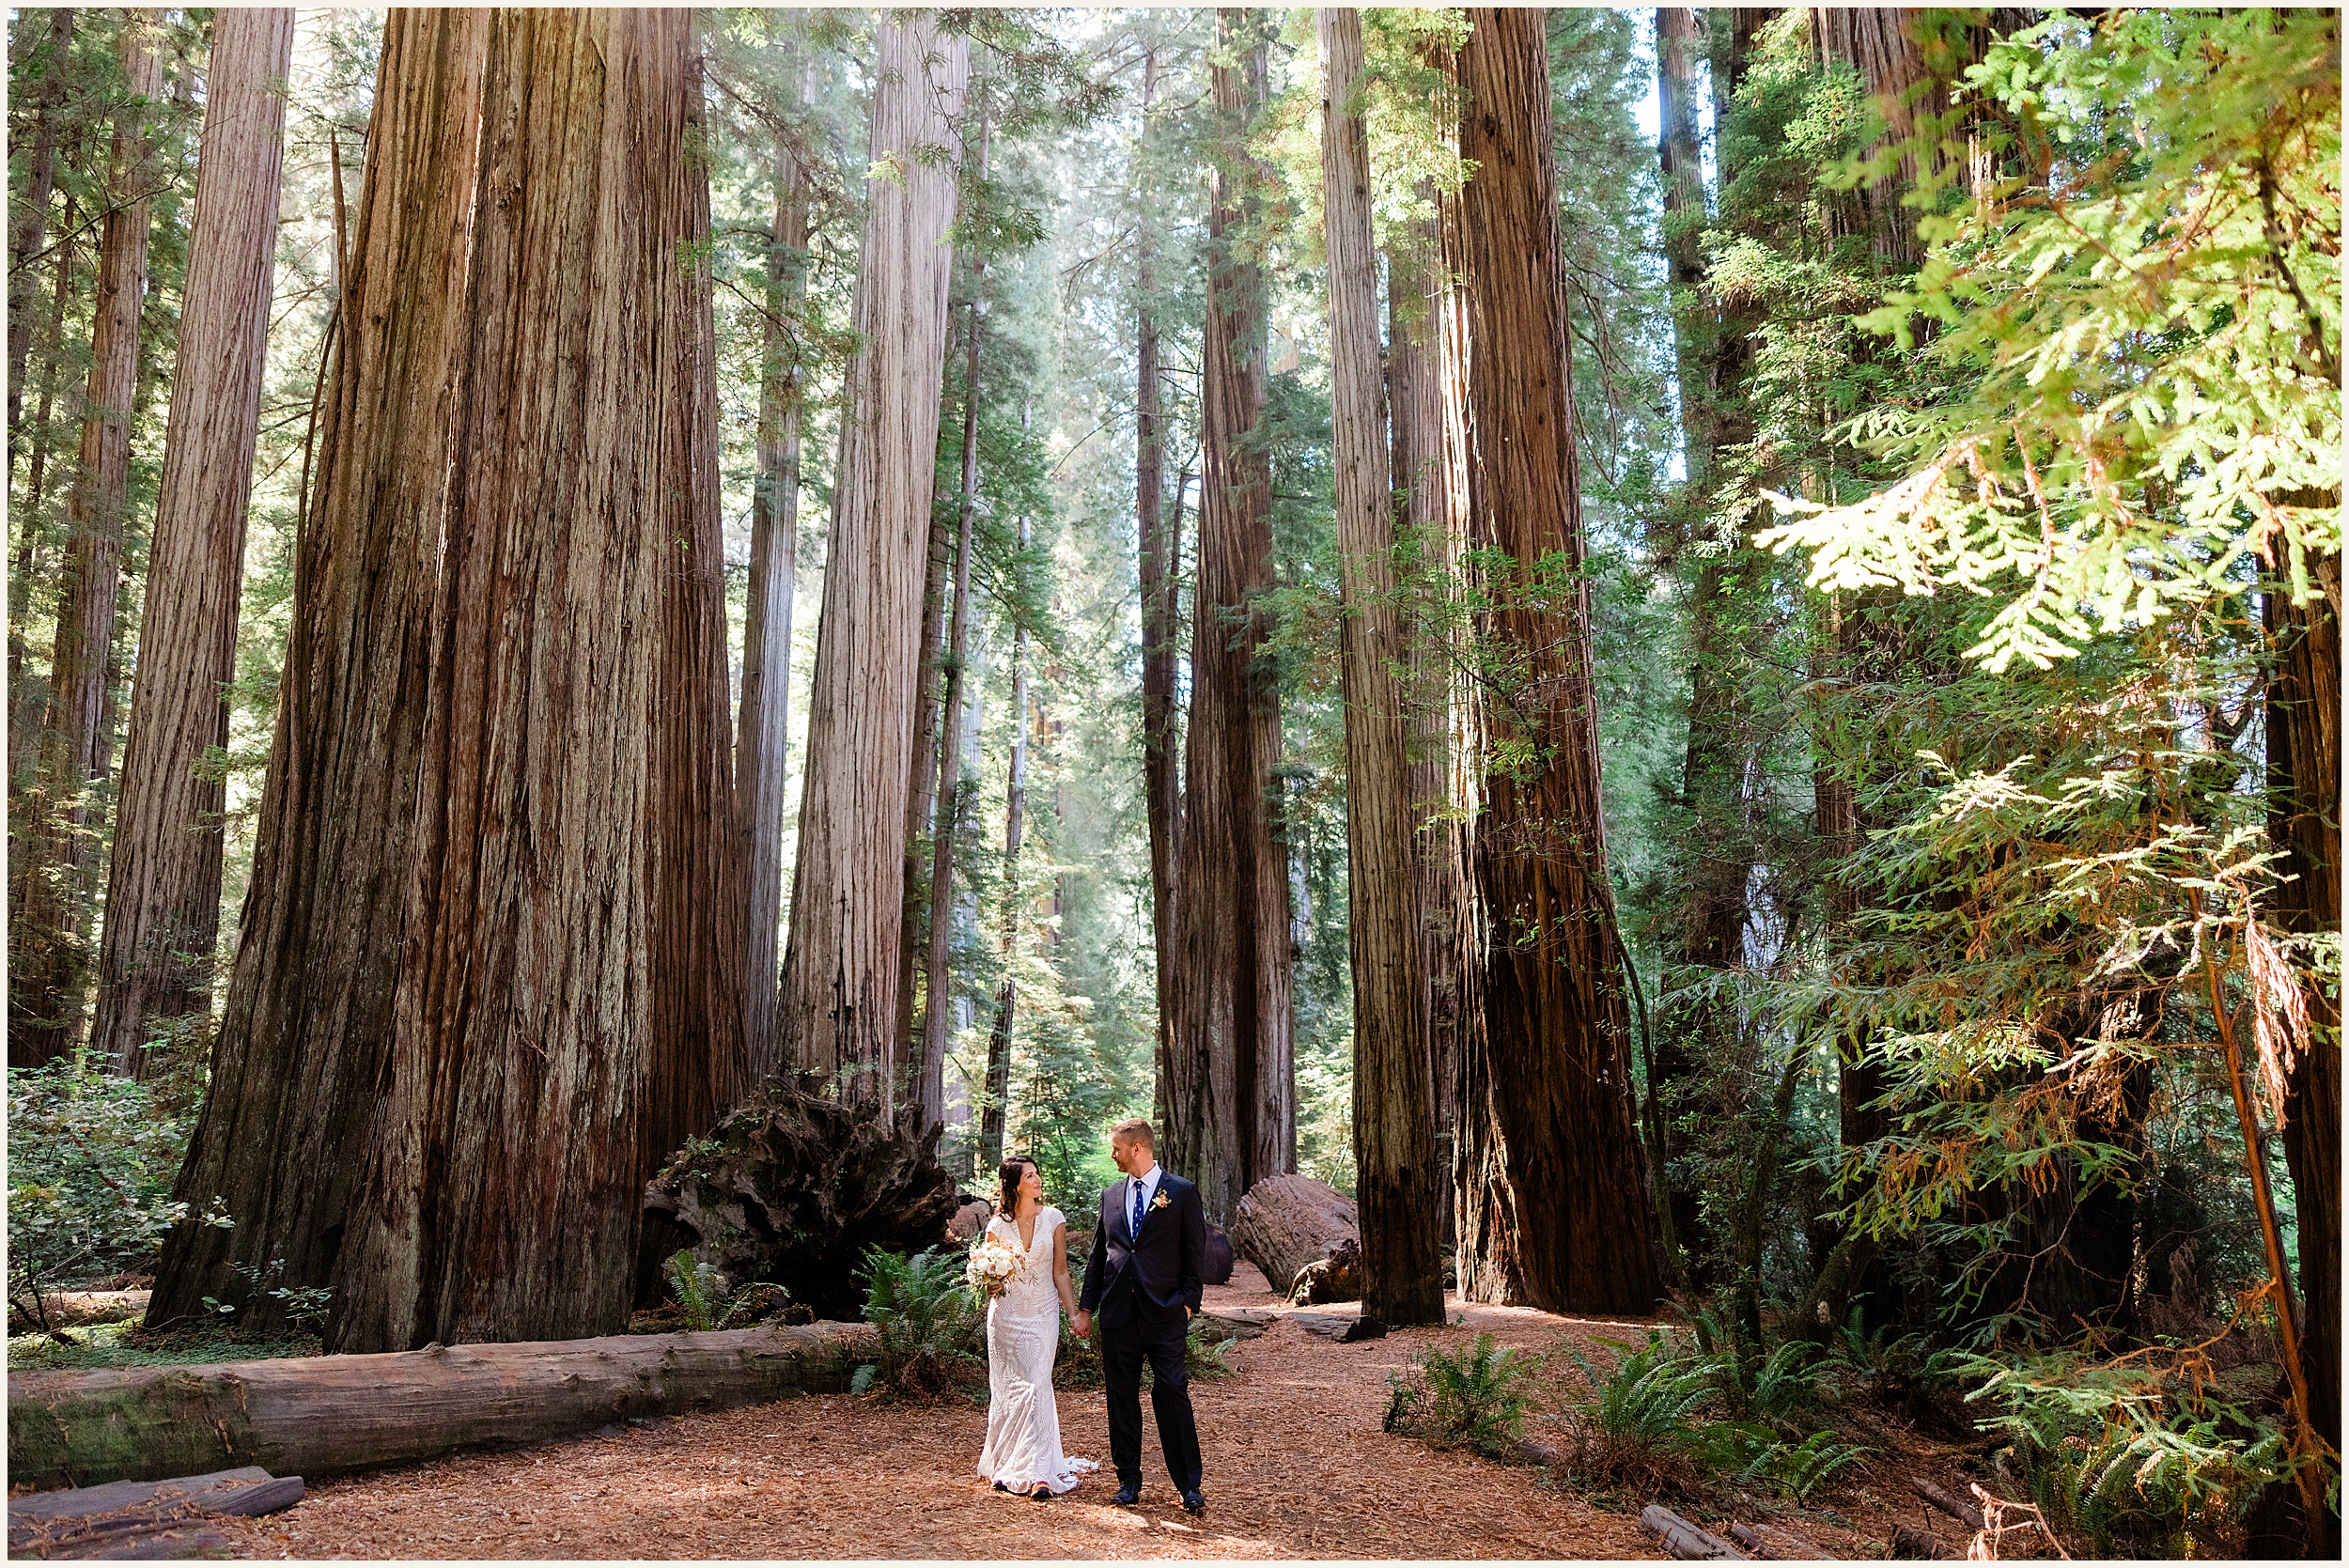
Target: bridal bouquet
{"x": 992, "y": 1266}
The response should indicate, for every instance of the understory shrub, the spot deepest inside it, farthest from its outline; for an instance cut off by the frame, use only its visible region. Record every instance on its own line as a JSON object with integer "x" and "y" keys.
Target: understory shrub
{"x": 91, "y": 1162}
{"x": 1476, "y": 1399}
{"x": 2125, "y": 1459}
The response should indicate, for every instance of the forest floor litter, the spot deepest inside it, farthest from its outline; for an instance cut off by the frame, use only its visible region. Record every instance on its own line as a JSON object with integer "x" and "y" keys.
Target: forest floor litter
{"x": 1297, "y": 1465}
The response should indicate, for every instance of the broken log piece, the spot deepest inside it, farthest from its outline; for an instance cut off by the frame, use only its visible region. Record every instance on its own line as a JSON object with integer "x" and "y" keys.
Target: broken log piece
{"x": 78, "y": 1309}
{"x": 1780, "y": 1546}
{"x": 1916, "y": 1544}
{"x": 91, "y": 1521}
{"x": 1236, "y": 1322}
{"x": 1533, "y": 1454}
{"x": 1335, "y": 1278}
{"x": 1684, "y": 1539}
{"x": 329, "y": 1415}
{"x": 169, "y": 1544}
{"x": 1955, "y": 1507}
{"x": 1285, "y": 1222}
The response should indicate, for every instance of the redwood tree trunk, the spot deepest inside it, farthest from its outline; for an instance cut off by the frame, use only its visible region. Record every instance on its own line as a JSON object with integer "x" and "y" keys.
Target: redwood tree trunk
{"x": 50, "y": 919}
{"x": 1678, "y": 38}
{"x": 930, "y": 1087}
{"x": 1232, "y": 1116}
{"x": 993, "y": 1115}
{"x": 162, "y": 893}
{"x": 1554, "y": 1211}
{"x": 1156, "y": 554}
{"x": 566, "y": 1011}
{"x": 32, "y": 219}
{"x": 2304, "y": 822}
{"x": 838, "y": 1013}
{"x": 305, "y": 1044}
{"x": 762, "y": 741}
{"x": 1394, "y": 1146}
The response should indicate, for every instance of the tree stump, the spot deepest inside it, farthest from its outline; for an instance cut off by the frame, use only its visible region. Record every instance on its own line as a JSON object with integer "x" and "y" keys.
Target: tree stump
{"x": 1335, "y": 1278}
{"x": 795, "y": 1188}
{"x": 1285, "y": 1222}
{"x": 970, "y": 1220}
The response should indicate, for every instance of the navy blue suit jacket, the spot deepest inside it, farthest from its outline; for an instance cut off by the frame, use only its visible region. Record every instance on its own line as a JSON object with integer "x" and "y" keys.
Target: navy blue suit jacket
{"x": 1162, "y": 1260}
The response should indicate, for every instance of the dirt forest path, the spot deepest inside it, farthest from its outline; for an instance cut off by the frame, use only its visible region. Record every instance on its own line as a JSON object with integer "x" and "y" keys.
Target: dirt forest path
{"x": 1297, "y": 1465}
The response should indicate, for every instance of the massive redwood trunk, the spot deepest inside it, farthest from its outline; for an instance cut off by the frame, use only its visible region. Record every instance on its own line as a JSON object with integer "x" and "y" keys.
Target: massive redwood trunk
{"x": 2304, "y": 822}
{"x": 567, "y": 1012}
{"x": 1394, "y": 1144}
{"x": 762, "y": 740}
{"x": 55, "y": 858}
{"x": 992, "y": 1113}
{"x": 305, "y": 1039}
{"x": 1231, "y": 1110}
{"x": 838, "y": 1014}
{"x": 1553, "y": 1207}
{"x": 162, "y": 893}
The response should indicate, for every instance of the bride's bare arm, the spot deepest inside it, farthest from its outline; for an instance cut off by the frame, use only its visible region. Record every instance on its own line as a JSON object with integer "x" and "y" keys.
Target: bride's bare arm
{"x": 1060, "y": 1271}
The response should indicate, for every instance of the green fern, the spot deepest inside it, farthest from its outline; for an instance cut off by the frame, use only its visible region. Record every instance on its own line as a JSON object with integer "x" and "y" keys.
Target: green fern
{"x": 931, "y": 1330}
{"x": 1797, "y": 1469}
{"x": 1478, "y": 1399}
{"x": 695, "y": 1285}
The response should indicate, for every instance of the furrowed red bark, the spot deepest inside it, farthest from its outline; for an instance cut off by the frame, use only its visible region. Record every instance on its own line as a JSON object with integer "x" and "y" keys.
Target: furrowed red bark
{"x": 930, "y": 1086}
{"x": 1553, "y": 1210}
{"x": 1233, "y": 1029}
{"x": 838, "y": 1014}
{"x": 2304, "y": 823}
{"x": 50, "y": 921}
{"x": 762, "y": 741}
{"x": 993, "y": 1115}
{"x": 304, "y": 1042}
{"x": 1393, "y": 1093}
{"x": 162, "y": 893}
{"x": 567, "y": 1007}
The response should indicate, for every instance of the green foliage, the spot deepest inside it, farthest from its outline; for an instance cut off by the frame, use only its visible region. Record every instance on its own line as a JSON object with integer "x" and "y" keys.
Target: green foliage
{"x": 2127, "y": 1458}
{"x": 305, "y": 1306}
{"x": 932, "y": 1330}
{"x": 698, "y": 1287}
{"x": 109, "y": 1345}
{"x": 2141, "y": 324}
{"x": 91, "y": 1168}
{"x": 1670, "y": 1414}
{"x": 1478, "y": 1398}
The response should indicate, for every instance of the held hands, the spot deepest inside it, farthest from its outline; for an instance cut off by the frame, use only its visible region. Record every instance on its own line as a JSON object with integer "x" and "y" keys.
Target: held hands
{"x": 1083, "y": 1324}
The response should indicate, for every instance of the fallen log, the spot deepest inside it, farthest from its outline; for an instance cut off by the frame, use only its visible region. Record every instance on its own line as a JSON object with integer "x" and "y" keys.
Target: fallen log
{"x": 1911, "y": 1542}
{"x": 77, "y": 1309}
{"x": 1335, "y": 1278}
{"x": 1684, "y": 1539}
{"x": 326, "y": 1415}
{"x": 1285, "y": 1222}
{"x": 1780, "y": 1546}
{"x": 1955, "y": 1507}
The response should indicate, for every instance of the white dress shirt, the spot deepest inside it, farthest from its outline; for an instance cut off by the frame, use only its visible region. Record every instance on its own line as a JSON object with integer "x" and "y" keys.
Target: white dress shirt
{"x": 1148, "y": 1182}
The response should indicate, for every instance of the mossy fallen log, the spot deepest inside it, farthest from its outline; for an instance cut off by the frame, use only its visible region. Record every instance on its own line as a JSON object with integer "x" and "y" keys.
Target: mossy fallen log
{"x": 325, "y": 1415}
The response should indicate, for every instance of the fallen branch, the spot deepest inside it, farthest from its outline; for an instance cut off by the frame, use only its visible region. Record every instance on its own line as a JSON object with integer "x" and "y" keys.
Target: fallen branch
{"x": 1684, "y": 1539}
{"x": 1956, "y": 1508}
{"x": 142, "y": 1518}
{"x": 1911, "y": 1542}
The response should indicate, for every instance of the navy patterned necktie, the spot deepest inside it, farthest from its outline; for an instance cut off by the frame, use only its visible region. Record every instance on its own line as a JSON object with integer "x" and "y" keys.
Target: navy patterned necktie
{"x": 1135, "y": 1228}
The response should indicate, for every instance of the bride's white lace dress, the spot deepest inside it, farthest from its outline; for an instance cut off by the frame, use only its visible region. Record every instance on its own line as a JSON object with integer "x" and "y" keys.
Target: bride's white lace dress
{"x": 1022, "y": 1339}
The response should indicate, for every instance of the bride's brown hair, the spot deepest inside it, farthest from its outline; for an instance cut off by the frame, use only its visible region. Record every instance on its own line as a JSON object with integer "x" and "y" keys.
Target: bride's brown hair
{"x": 1007, "y": 1179}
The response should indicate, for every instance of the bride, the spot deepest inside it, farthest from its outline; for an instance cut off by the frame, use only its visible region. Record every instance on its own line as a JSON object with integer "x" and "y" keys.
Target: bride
{"x": 1022, "y": 1452}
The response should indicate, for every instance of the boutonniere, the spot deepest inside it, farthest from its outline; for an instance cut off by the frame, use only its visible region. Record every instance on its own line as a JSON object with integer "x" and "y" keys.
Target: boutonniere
{"x": 1160, "y": 1201}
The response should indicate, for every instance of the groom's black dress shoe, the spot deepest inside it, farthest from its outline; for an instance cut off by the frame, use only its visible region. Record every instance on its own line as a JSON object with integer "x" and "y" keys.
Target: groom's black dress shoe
{"x": 1194, "y": 1503}
{"x": 1126, "y": 1496}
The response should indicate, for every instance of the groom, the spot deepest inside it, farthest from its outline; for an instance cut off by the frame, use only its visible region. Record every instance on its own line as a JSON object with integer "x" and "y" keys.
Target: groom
{"x": 1143, "y": 1277}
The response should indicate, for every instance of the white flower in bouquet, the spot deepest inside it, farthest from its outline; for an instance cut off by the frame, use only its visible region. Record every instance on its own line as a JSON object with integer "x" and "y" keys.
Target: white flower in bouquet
{"x": 992, "y": 1266}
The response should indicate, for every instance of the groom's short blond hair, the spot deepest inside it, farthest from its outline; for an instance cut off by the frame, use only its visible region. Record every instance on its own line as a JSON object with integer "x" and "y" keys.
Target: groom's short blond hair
{"x": 1133, "y": 1129}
